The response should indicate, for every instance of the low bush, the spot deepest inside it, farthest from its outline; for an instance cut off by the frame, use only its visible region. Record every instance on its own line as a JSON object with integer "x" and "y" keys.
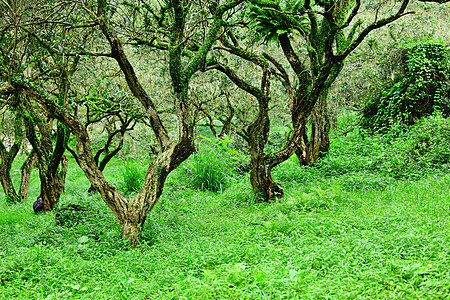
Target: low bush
{"x": 133, "y": 174}
{"x": 422, "y": 87}
{"x": 209, "y": 168}
{"x": 426, "y": 146}
{"x": 373, "y": 161}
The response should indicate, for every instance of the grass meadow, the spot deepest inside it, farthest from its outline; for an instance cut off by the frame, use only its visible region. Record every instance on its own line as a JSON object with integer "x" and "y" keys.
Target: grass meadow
{"x": 357, "y": 225}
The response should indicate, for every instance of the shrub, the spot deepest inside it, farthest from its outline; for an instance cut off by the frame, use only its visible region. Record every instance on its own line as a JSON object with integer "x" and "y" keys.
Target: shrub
{"x": 422, "y": 88}
{"x": 132, "y": 175}
{"x": 400, "y": 152}
{"x": 432, "y": 140}
{"x": 209, "y": 168}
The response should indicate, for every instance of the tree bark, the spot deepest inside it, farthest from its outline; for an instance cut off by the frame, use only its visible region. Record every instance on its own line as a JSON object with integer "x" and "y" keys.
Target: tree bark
{"x": 51, "y": 161}
{"x": 27, "y": 166}
{"x": 264, "y": 187}
{"x": 257, "y": 134}
{"x": 49, "y": 191}
{"x": 52, "y": 182}
{"x": 320, "y": 129}
{"x": 7, "y": 184}
{"x": 7, "y": 158}
{"x": 310, "y": 150}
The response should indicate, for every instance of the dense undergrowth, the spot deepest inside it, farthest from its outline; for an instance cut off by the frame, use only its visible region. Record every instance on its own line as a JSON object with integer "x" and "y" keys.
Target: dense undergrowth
{"x": 370, "y": 221}
{"x": 419, "y": 85}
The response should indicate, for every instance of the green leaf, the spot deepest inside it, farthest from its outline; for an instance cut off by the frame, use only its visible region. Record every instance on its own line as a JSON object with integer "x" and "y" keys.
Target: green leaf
{"x": 281, "y": 31}
{"x": 82, "y": 240}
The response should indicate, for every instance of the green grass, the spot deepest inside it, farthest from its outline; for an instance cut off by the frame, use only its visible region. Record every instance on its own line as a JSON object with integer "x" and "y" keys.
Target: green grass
{"x": 327, "y": 243}
{"x": 209, "y": 168}
{"x": 342, "y": 231}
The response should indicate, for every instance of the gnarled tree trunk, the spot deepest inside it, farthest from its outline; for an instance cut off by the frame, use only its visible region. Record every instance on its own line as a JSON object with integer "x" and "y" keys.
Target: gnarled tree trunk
{"x": 264, "y": 187}
{"x": 310, "y": 150}
{"x": 319, "y": 142}
{"x": 7, "y": 158}
{"x": 52, "y": 182}
{"x": 257, "y": 134}
{"x": 27, "y": 166}
{"x": 51, "y": 161}
{"x": 130, "y": 213}
{"x": 7, "y": 184}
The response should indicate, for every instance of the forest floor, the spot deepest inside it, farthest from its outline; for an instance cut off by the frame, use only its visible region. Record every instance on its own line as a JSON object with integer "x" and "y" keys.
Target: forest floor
{"x": 340, "y": 232}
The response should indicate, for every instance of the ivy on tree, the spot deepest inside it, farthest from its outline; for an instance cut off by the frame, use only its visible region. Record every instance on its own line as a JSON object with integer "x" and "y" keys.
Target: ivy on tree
{"x": 421, "y": 87}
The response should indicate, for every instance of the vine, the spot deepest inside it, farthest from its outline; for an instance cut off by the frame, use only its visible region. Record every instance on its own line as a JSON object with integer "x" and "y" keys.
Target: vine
{"x": 422, "y": 88}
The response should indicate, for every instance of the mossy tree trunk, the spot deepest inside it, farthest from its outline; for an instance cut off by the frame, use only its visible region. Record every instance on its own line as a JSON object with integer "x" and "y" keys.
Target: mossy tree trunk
{"x": 329, "y": 41}
{"x": 256, "y": 134}
{"x": 49, "y": 146}
{"x": 51, "y": 161}
{"x": 316, "y": 146}
{"x": 7, "y": 158}
{"x": 309, "y": 100}
{"x": 27, "y": 166}
{"x": 319, "y": 142}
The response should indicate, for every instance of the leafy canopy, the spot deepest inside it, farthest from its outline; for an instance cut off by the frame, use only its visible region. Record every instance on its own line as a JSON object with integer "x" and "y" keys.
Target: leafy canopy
{"x": 271, "y": 19}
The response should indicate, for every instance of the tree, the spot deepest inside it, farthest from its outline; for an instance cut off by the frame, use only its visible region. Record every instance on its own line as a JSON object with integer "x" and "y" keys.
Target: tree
{"x": 7, "y": 157}
{"x": 9, "y": 150}
{"x": 172, "y": 153}
{"x": 22, "y": 59}
{"x": 256, "y": 134}
{"x": 183, "y": 64}
{"x": 330, "y": 34}
{"x": 51, "y": 161}
{"x": 327, "y": 42}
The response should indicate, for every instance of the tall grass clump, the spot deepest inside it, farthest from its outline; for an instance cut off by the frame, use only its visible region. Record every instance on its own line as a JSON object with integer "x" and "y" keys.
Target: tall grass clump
{"x": 209, "y": 168}
{"x": 132, "y": 173}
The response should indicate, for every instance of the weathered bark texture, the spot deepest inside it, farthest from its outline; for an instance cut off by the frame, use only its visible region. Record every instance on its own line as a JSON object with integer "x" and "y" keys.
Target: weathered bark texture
{"x": 7, "y": 158}
{"x": 311, "y": 149}
{"x": 7, "y": 184}
{"x": 51, "y": 161}
{"x": 5, "y": 178}
{"x": 256, "y": 135}
{"x": 264, "y": 187}
{"x": 320, "y": 129}
{"x": 27, "y": 167}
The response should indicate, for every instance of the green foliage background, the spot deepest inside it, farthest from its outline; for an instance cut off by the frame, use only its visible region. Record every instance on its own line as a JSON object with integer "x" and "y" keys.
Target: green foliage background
{"x": 421, "y": 88}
